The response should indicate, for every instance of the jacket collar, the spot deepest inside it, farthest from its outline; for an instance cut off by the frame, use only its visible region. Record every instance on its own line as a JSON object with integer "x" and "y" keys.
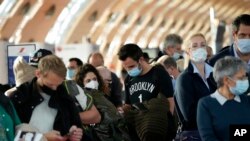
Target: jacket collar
{"x": 235, "y": 53}
{"x": 231, "y": 50}
{"x": 35, "y": 92}
{"x": 192, "y": 69}
{"x": 208, "y": 69}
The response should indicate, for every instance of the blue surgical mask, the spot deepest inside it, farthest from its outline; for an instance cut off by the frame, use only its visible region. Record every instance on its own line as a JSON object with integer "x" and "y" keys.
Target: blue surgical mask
{"x": 244, "y": 45}
{"x": 70, "y": 74}
{"x": 199, "y": 55}
{"x": 135, "y": 71}
{"x": 176, "y": 55}
{"x": 240, "y": 87}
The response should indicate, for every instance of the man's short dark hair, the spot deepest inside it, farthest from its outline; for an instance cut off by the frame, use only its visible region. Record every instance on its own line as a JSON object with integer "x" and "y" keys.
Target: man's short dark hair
{"x": 77, "y": 60}
{"x": 146, "y": 56}
{"x": 170, "y": 62}
{"x": 242, "y": 19}
{"x": 130, "y": 50}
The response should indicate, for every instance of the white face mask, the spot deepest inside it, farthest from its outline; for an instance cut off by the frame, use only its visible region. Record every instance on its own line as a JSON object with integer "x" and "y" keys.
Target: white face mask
{"x": 244, "y": 45}
{"x": 93, "y": 84}
{"x": 199, "y": 55}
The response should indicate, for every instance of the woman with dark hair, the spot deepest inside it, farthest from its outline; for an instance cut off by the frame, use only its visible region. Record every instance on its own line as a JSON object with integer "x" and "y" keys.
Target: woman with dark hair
{"x": 88, "y": 77}
{"x": 112, "y": 126}
{"x": 8, "y": 119}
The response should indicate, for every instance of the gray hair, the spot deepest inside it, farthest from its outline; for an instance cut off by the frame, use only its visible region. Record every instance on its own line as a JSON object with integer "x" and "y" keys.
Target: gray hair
{"x": 172, "y": 40}
{"x": 227, "y": 66}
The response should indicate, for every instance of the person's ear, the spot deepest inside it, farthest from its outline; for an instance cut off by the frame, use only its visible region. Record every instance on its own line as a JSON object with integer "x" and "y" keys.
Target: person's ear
{"x": 140, "y": 59}
{"x": 234, "y": 33}
{"x": 188, "y": 51}
{"x": 227, "y": 81}
{"x": 37, "y": 73}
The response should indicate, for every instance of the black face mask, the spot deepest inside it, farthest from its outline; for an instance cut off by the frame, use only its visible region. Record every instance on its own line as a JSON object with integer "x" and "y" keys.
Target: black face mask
{"x": 47, "y": 90}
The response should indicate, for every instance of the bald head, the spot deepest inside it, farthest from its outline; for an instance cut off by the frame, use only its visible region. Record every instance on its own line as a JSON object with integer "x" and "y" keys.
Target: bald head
{"x": 104, "y": 72}
{"x": 96, "y": 59}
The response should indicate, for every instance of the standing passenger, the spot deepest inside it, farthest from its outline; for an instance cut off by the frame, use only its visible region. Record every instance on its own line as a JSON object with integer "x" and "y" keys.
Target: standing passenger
{"x": 192, "y": 84}
{"x": 45, "y": 104}
{"x": 172, "y": 47}
{"x": 228, "y": 105}
{"x": 72, "y": 67}
{"x": 8, "y": 119}
{"x": 241, "y": 45}
{"x": 143, "y": 84}
{"x": 96, "y": 59}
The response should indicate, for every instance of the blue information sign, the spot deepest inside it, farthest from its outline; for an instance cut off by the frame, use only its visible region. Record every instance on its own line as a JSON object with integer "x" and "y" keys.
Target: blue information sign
{"x": 13, "y": 52}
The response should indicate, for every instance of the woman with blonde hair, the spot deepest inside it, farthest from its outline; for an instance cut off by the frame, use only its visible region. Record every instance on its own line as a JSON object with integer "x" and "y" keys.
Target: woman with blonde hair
{"x": 194, "y": 83}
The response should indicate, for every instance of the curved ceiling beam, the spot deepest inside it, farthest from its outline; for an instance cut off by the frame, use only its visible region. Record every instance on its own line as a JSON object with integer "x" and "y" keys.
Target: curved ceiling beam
{"x": 42, "y": 21}
{"x": 87, "y": 18}
{"x": 112, "y": 25}
{"x": 126, "y": 29}
{"x": 99, "y": 25}
{"x": 14, "y": 19}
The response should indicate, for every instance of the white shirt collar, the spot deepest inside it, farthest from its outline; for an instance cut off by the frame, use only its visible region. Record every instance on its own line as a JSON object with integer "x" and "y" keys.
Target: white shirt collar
{"x": 221, "y": 99}
{"x": 208, "y": 69}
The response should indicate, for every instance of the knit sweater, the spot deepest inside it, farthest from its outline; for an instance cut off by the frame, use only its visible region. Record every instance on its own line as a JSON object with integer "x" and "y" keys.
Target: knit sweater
{"x": 215, "y": 114}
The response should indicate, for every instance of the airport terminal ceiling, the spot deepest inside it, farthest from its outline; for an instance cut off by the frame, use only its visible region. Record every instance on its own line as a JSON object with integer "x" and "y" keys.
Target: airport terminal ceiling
{"x": 111, "y": 23}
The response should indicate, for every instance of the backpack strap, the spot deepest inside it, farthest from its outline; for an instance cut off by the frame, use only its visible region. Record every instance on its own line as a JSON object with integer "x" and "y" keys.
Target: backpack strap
{"x": 181, "y": 120}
